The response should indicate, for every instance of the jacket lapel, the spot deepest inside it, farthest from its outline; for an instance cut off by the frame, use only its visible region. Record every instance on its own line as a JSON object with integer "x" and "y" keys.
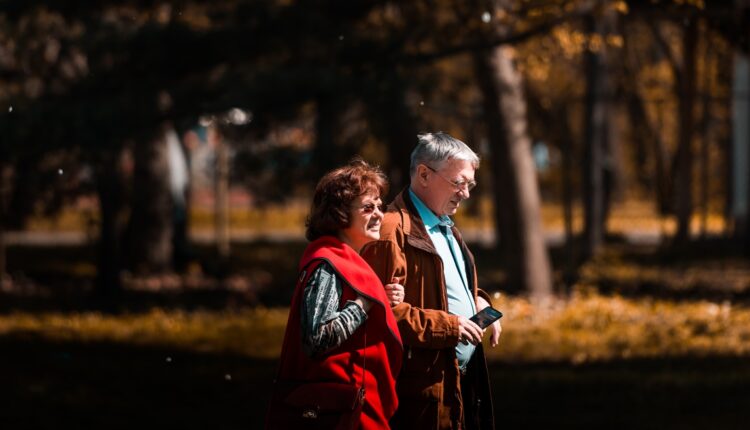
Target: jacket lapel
{"x": 416, "y": 233}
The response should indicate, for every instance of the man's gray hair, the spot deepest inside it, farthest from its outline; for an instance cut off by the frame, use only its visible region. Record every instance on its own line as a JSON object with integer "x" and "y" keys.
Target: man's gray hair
{"x": 434, "y": 149}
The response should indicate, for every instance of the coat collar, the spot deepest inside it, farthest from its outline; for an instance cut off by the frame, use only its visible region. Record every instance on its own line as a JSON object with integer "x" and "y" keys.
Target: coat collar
{"x": 414, "y": 229}
{"x": 416, "y": 233}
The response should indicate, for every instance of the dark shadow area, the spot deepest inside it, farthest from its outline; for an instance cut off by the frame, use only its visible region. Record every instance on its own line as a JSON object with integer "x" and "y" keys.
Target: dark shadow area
{"x": 60, "y": 278}
{"x": 672, "y": 393}
{"x": 112, "y": 386}
{"x": 714, "y": 269}
{"x": 116, "y": 386}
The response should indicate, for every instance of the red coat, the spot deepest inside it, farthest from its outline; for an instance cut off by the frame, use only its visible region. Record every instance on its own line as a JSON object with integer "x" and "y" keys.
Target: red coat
{"x": 383, "y": 351}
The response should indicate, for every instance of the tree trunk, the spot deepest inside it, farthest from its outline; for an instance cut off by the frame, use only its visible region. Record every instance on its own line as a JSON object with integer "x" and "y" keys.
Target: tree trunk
{"x": 517, "y": 201}
{"x": 566, "y": 140}
{"x": 394, "y": 122}
{"x": 705, "y": 160}
{"x": 3, "y": 189}
{"x": 645, "y": 133}
{"x": 221, "y": 196}
{"x": 179, "y": 183}
{"x": 325, "y": 154}
{"x": 739, "y": 155}
{"x": 684, "y": 173}
{"x": 110, "y": 192}
{"x": 745, "y": 24}
{"x": 596, "y": 117}
{"x": 151, "y": 221}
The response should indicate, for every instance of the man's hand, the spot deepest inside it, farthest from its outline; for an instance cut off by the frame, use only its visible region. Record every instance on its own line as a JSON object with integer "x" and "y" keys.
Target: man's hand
{"x": 394, "y": 292}
{"x": 496, "y": 327}
{"x": 468, "y": 332}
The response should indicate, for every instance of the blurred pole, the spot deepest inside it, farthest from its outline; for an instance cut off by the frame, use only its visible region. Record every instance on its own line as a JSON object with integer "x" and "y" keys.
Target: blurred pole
{"x": 221, "y": 211}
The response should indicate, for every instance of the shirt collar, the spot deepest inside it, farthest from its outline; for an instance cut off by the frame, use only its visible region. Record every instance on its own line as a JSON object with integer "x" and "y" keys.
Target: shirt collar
{"x": 430, "y": 220}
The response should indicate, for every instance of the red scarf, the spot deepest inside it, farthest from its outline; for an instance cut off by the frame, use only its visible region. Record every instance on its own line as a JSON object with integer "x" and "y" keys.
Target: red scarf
{"x": 383, "y": 351}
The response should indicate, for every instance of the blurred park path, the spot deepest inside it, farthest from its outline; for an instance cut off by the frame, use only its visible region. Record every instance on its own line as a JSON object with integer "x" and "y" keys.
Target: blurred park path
{"x": 482, "y": 236}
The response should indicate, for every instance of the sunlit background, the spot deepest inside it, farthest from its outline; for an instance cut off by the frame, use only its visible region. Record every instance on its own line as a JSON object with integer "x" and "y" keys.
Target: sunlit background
{"x": 157, "y": 161}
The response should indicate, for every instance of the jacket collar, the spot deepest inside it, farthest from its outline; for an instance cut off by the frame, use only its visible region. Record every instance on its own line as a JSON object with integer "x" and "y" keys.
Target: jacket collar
{"x": 417, "y": 236}
{"x": 414, "y": 228}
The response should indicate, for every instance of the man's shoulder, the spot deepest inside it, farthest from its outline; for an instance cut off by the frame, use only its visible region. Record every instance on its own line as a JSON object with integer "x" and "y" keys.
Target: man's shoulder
{"x": 392, "y": 224}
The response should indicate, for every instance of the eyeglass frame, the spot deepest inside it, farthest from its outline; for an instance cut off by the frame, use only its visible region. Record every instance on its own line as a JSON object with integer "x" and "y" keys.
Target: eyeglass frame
{"x": 461, "y": 184}
{"x": 369, "y": 208}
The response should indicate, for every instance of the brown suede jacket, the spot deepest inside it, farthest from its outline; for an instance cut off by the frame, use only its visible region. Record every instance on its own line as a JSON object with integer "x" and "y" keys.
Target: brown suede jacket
{"x": 429, "y": 385}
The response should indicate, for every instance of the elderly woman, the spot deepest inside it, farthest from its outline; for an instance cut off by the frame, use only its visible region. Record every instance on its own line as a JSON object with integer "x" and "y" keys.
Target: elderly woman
{"x": 341, "y": 328}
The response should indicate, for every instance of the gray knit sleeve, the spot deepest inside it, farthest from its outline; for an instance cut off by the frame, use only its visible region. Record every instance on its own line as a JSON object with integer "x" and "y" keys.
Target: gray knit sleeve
{"x": 324, "y": 325}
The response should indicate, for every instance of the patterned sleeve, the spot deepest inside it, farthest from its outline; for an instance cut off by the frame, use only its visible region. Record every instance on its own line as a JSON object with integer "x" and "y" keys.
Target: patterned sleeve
{"x": 324, "y": 325}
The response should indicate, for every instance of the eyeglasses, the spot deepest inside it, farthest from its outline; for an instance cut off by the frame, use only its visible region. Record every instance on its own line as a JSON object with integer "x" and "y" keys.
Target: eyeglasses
{"x": 460, "y": 184}
{"x": 369, "y": 208}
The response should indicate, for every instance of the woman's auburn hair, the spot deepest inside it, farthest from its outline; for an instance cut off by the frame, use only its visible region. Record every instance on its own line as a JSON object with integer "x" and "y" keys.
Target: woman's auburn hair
{"x": 335, "y": 193}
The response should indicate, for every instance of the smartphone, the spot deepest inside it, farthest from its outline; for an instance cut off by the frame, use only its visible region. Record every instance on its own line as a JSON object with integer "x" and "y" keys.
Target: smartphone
{"x": 486, "y": 316}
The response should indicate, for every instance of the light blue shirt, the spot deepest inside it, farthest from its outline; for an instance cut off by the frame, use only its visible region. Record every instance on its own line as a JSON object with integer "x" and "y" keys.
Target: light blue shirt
{"x": 460, "y": 299}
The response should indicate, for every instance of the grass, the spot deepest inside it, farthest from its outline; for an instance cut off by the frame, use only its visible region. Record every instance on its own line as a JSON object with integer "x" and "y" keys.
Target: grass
{"x": 628, "y": 215}
{"x": 588, "y": 327}
{"x": 252, "y": 333}
{"x": 587, "y": 362}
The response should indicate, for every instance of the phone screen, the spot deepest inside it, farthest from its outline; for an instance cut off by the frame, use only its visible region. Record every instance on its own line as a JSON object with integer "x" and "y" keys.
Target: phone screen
{"x": 486, "y": 316}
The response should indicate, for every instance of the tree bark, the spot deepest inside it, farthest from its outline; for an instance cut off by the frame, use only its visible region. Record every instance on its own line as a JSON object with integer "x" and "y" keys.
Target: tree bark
{"x": 516, "y": 191}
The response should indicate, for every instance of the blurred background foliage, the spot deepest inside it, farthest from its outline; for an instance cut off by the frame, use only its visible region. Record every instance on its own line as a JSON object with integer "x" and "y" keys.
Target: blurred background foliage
{"x": 157, "y": 160}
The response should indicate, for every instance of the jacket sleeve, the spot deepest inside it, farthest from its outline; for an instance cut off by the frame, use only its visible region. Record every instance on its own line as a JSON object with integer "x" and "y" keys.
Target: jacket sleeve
{"x": 485, "y": 295}
{"x": 423, "y": 328}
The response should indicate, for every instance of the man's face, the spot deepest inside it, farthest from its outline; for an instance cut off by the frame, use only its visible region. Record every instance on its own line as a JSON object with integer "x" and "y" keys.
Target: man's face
{"x": 444, "y": 188}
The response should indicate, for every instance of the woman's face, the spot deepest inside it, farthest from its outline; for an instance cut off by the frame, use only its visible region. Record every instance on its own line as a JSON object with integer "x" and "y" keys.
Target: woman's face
{"x": 365, "y": 215}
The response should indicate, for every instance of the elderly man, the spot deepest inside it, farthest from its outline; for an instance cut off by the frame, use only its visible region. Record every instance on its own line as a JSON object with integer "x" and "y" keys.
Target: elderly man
{"x": 443, "y": 382}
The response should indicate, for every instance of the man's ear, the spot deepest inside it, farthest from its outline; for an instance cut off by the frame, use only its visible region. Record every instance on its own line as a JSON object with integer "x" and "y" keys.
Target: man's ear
{"x": 422, "y": 172}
